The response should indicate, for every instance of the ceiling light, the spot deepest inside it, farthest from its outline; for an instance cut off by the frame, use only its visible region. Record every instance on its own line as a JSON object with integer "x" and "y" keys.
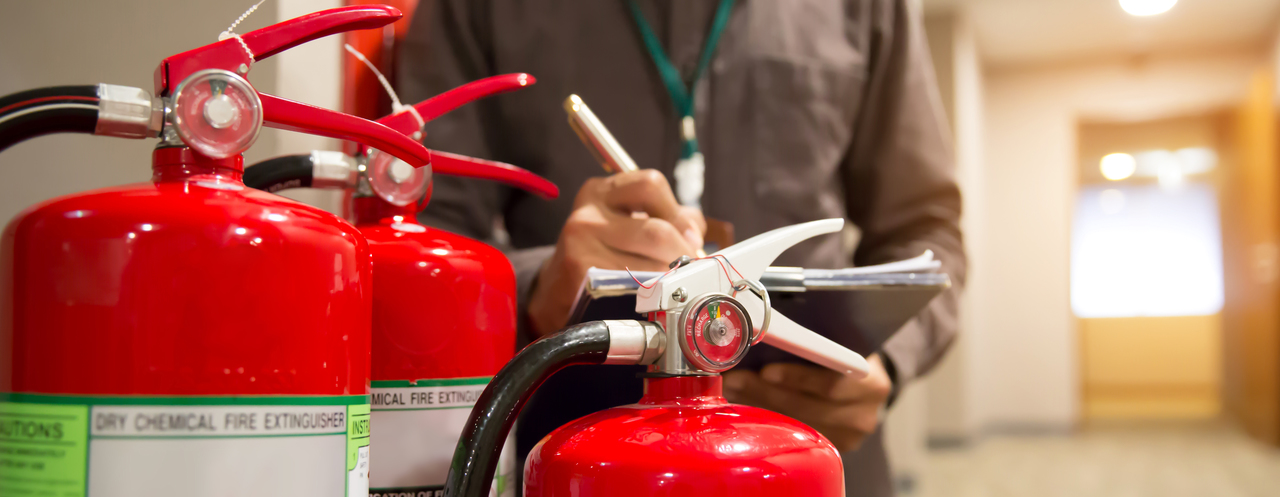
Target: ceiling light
{"x": 1116, "y": 167}
{"x": 1147, "y": 7}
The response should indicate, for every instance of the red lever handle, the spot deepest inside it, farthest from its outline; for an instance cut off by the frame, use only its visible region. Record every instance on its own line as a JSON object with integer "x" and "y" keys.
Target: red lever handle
{"x": 471, "y": 167}
{"x": 289, "y": 115}
{"x": 229, "y": 54}
{"x": 438, "y": 105}
{"x": 279, "y": 37}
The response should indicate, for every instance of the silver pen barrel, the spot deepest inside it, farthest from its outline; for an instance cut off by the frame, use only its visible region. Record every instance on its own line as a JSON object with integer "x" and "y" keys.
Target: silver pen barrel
{"x": 597, "y": 138}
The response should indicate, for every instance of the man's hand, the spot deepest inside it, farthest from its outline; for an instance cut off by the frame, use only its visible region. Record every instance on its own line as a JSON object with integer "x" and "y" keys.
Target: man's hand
{"x": 844, "y": 409}
{"x": 629, "y": 220}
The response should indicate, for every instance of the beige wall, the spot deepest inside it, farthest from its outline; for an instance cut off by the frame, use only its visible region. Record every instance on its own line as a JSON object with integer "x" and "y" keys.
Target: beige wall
{"x": 1028, "y": 356}
{"x": 310, "y": 73}
{"x": 59, "y": 42}
{"x": 951, "y": 389}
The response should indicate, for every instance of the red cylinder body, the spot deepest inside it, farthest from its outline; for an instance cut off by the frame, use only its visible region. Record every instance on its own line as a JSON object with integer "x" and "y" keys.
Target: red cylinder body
{"x": 189, "y": 295}
{"x": 444, "y": 311}
{"x": 444, "y": 305}
{"x": 684, "y": 439}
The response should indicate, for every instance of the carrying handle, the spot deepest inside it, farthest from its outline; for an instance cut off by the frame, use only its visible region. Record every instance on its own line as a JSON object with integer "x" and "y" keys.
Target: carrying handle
{"x": 237, "y": 54}
{"x": 460, "y": 165}
{"x": 748, "y": 260}
{"x": 471, "y": 167}
{"x": 289, "y": 115}
{"x": 230, "y": 54}
{"x": 439, "y": 105}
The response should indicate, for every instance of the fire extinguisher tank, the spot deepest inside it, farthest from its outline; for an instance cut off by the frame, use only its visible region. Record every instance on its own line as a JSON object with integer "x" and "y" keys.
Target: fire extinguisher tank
{"x": 444, "y": 306}
{"x": 684, "y": 439}
{"x": 464, "y": 286}
{"x": 443, "y": 324}
{"x": 189, "y": 285}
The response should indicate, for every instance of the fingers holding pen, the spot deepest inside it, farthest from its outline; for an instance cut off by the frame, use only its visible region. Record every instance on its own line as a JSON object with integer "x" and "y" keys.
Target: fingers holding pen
{"x": 628, "y": 220}
{"x": 646, "y": 191}
{"x": 638, "y": 242}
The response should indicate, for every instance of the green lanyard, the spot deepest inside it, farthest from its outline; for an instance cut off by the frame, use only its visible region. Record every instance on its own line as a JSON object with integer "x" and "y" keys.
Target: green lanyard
{"x": 681, "y": 95}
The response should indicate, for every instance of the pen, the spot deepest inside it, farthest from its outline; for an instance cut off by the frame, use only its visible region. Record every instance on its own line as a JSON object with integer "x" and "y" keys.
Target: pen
{"x": 597, "y": 138}
{"x": 600, "y": 142}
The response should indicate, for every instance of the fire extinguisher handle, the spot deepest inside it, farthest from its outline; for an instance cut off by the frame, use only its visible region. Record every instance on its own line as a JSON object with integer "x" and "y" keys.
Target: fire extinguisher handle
{"x": 471, "y": 167}
{"x": 431, "y": 108}
{"x": 287, "y": 114}
{"x": 407, "y": 123}
{"x": 284, "y": 35}
{"x": 229, "y": 54}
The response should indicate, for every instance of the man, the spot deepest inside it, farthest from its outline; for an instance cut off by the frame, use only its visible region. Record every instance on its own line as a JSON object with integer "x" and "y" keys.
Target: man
{"x": 804, "y": 109}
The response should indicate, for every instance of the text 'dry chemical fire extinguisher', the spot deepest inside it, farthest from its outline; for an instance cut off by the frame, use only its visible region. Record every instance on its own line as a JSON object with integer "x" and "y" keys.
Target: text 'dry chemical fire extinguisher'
{"x": 682, "y": 438}
{"x": 188, "y": 336}
{"x": 444, "y": 305}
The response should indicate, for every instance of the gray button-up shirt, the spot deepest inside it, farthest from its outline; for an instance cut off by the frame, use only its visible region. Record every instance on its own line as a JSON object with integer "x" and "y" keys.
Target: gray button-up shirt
{"x": 811, "y": 109}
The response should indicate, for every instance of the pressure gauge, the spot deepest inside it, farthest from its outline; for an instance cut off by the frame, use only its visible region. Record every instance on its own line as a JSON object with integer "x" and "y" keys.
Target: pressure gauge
{"x": 717, "y": 332}
{"x": 217, "y": 113}
{"x": 396, "y": 181}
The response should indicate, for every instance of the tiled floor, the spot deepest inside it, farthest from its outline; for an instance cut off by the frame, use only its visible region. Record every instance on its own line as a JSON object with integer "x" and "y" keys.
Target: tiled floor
{"x": 1168, "y": 461}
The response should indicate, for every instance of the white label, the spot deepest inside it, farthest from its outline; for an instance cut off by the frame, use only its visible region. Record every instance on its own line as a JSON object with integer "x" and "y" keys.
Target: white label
{"x": 417, "y": 431}
{"x": 216, "y": 421}
{"x": 216, "y": 451}
{"x": 358, "y": 478}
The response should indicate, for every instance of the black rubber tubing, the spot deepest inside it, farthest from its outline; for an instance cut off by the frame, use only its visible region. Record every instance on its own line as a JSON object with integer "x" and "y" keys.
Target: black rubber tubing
{"x": 475, "y": 460}
{"x": 280, "y": 173}
{"x": 56, "y": 109}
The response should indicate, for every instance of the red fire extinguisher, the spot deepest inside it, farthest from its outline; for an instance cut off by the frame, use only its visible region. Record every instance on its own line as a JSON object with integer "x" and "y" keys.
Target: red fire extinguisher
{"x": 188, "y": 336}
{"x": 444, "y": 305}
{"x": 682, "y": 438}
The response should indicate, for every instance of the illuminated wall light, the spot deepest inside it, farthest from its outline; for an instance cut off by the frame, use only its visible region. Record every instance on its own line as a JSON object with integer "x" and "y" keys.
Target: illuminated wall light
{"x": 1116, "y": 167}
{"x": 1144, "y": 8}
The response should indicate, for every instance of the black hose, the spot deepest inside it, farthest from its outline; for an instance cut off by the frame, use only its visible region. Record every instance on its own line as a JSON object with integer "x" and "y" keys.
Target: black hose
{"x": 476, "y": 458}
{"x": 56, "y": 109}
{"x": 280, "y": 173}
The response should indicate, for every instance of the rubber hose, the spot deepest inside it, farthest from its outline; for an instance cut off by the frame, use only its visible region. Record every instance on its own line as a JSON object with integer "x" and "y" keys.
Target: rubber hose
{"x": 280, "y": 173}
{"x": 476, "y": 458}
{"x": 56, "y": 109}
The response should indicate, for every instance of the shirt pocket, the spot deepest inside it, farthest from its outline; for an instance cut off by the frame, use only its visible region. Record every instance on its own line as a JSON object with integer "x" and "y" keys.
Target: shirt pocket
{"x": 798, "y": 115}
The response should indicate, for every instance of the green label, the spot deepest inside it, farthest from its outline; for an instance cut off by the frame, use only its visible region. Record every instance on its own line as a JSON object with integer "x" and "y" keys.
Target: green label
{"x": 357, "y": 433}
{"x": 43, "y": 449}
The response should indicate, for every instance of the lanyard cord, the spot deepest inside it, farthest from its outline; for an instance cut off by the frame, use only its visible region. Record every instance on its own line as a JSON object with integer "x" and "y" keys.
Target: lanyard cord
{"x": 681, "y": 95}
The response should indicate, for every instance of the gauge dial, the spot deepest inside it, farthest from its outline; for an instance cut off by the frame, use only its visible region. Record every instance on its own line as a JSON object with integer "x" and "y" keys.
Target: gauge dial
{"x": 217, "y": 113}
{"x": 396, "y": 181}
{"x": 716, "y": 331}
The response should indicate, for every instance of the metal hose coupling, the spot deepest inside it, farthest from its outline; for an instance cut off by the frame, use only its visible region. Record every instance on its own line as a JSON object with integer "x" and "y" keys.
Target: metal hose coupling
{"x": 128, "y": 112}
{"x": 635, "y": 342}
